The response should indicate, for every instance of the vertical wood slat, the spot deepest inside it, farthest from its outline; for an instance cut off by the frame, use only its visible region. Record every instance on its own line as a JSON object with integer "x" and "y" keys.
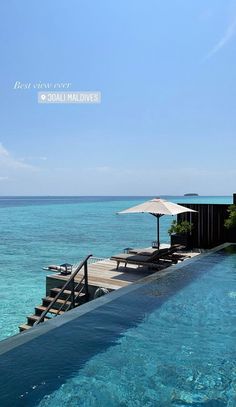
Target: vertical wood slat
{"x": 208, "y": 224}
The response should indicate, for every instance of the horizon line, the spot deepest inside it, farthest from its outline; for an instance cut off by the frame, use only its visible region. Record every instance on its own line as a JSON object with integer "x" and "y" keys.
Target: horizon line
{"x": 96, "y": 196}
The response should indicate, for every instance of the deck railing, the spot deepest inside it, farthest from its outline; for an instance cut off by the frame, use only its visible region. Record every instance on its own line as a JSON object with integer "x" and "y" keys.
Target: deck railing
{"x": 75, "y": 288}
{"x": 95, "y": 259}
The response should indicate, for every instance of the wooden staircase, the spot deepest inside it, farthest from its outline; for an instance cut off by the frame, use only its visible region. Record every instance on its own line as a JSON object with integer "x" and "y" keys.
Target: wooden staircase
{"x": 61, "y": 305}
{"x": 71, "y": 295}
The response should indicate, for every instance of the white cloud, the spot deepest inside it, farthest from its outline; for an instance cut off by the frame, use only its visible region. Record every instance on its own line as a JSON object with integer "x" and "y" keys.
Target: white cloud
{"x": 229, "y": 33}
{"x": 9, "y": 162}
{"x": 3, "y": 151}
{"x": 33, "y": 158}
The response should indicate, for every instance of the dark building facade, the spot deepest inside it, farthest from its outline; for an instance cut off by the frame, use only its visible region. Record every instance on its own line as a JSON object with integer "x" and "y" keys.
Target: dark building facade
{"x": 208, "y": 224}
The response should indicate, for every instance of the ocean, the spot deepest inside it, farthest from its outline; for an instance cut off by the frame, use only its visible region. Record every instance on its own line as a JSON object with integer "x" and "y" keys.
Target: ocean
{"x": 38, "y": 231}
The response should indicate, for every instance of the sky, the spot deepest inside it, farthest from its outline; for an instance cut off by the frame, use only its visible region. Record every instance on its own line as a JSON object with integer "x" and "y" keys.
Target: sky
{"x": 166, "y": 123}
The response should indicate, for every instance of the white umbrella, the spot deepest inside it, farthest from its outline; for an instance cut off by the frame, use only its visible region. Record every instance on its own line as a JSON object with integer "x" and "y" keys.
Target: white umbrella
{"x": 158, "y": 207}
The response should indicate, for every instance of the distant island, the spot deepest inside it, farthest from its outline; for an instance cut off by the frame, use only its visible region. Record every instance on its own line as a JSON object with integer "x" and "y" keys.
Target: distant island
{"x": 191, "y": 194}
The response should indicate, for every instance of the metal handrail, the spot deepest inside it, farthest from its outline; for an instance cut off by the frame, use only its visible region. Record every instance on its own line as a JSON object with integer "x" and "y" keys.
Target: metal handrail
{"x": 69, "y": 297}
{"x": 84, "y": 264}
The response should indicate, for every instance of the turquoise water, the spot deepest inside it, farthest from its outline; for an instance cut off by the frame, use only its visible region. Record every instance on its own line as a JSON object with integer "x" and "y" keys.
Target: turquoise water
{"x": 38, "y": 231}
{"x": 169, "y": 342}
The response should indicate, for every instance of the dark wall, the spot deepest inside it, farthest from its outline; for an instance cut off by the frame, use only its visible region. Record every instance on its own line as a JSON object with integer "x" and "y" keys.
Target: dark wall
{"x": 208, "y": 230}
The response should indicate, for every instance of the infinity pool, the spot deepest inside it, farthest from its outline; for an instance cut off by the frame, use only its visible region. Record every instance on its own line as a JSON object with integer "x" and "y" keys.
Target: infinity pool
{"x": 169, "y": 341}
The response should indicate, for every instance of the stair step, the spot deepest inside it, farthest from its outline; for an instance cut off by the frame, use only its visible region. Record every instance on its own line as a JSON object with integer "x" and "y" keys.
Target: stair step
{"x": 65, "y": 294}
{"x": 24, "y": 327}
{"x": 40, "y": 309}
{"x": 31, "y": 319}
{"x": 59, "y": 302}
{"x": 57, "y": 290}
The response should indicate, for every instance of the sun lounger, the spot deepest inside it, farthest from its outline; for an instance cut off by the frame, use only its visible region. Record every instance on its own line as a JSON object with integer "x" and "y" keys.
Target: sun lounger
{"x": 150, "y": 250}
{"x": 140, "y": 259}
{"x": 143, "y": 258}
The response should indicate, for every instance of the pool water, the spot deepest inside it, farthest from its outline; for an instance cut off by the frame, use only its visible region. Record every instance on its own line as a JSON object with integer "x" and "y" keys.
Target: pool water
{"x": 168, "y": 342}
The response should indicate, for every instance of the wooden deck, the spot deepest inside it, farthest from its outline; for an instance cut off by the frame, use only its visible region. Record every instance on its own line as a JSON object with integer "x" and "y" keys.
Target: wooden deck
{"x": 103, "y": 273}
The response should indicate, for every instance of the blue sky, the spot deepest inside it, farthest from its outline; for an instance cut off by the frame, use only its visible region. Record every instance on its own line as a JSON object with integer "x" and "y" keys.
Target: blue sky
{"x": 166, "y": 71}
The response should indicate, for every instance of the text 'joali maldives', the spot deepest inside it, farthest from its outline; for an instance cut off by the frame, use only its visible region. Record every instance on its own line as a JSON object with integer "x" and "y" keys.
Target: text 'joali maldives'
{"x": 69, "y": 97}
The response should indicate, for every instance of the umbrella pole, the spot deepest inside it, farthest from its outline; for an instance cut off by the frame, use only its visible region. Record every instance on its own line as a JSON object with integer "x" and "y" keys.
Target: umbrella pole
{"x": 158, "y": 232}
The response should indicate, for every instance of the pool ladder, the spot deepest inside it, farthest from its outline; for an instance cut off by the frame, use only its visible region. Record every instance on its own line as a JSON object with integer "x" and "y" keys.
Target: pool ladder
{"x": 71, "y": 295}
